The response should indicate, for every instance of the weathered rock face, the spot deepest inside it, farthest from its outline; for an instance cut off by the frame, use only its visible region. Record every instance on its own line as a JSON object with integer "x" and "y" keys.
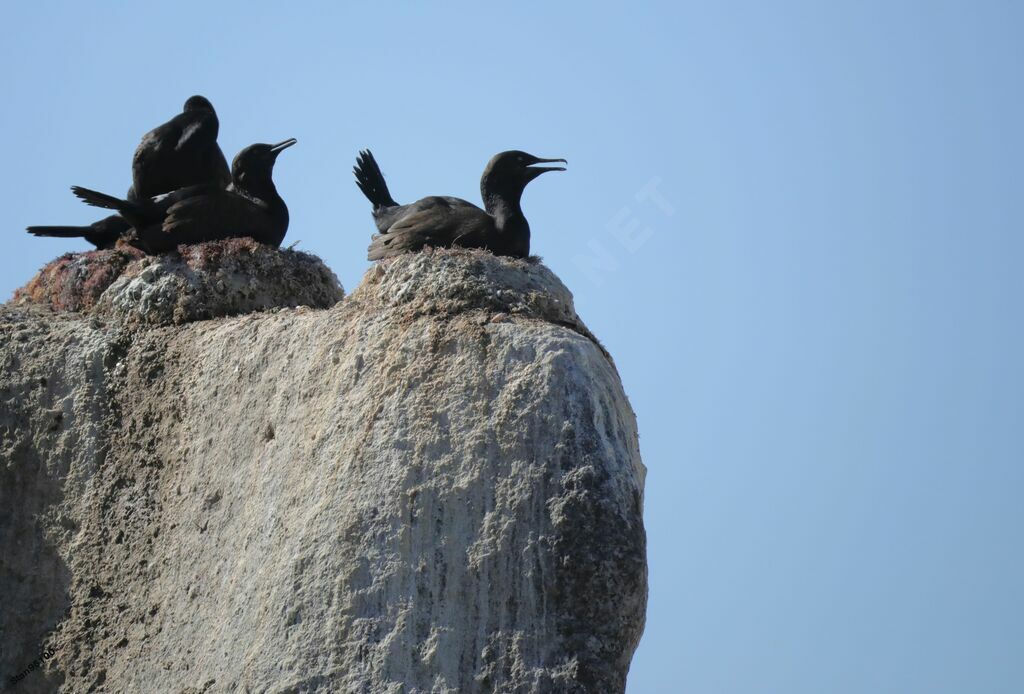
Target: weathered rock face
{"x": 433, "y": 486}
{"x": 209, "y": 280}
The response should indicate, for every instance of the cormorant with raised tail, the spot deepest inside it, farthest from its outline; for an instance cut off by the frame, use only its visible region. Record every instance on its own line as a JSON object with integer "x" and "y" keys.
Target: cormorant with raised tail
{"x": 250, "y": 206}
{"x": 442, "y": 221}
{"x": 180, "y": 153}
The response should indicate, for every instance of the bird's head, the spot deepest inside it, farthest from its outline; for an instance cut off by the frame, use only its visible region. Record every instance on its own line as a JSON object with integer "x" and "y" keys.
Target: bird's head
{"x": 198, "y": 103}
{"x": 508, "y": 173}
{"x": 254, "y": 165}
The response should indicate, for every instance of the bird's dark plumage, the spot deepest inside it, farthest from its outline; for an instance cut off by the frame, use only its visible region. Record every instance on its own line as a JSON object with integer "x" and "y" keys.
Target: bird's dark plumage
{"x": 102, "y": 234}
{"x": 500, "y": 227}
{"x": 385, "y": 210}
{"x": 180, "y": 153}
{"x": 371, "y": 181}
{"x": 250, "y": 206}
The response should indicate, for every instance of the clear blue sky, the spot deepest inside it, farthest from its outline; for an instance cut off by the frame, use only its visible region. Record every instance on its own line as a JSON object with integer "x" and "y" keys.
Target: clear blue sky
{"x": 818, "y": 321}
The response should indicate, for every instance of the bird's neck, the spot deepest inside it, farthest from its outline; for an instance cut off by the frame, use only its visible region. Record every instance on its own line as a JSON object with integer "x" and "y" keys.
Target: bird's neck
{"x": 264, "y": 193}
{"x": 510, "y": 223}
{"x": 503, "y": 205}
{"x": 258, "y": 188}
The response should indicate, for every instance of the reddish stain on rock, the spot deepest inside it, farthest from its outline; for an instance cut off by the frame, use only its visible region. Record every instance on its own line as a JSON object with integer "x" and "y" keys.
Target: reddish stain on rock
{"x": 74, "y": 281}
{"x": 196, "y": 282}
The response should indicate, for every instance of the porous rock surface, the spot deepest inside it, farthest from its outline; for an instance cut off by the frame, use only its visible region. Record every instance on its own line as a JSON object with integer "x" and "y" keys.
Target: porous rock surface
{"x": 208, "y": 280}
{"x": 433, "y": 486}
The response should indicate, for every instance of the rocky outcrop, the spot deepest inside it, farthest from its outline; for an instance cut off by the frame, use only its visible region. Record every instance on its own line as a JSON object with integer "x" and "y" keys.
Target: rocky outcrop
{"x": 209, "y": 280}
{"x": 431, "y": 486}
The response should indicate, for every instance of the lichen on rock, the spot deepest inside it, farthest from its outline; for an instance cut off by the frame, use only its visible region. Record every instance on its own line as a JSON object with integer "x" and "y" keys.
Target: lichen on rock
{"x": 201, "y": 281}
{"x": 75, "y": 281}
{"x": 432, "y": 486}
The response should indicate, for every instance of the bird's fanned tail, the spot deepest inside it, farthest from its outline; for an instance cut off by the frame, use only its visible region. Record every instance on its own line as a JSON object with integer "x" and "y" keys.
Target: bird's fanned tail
{"x": 371, "y": 181}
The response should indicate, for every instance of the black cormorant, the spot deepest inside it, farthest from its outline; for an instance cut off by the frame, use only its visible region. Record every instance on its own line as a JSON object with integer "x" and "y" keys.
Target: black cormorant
{"x": 250, "y": 206}
{"x": 180, "y": 153}
{"x": 440, "y": 221}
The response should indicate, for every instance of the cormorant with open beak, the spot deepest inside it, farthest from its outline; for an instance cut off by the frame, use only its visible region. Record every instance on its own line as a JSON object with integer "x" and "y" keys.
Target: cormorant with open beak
{"x": 500, "y": 227}
{"x": 250, "y": 206}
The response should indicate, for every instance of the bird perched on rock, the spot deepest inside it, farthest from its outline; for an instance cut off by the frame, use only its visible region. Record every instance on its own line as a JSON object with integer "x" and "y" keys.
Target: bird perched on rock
{"x": 180, "y": 153}
{"x": 500, "y": 227}
{"x": 250, "y": 206}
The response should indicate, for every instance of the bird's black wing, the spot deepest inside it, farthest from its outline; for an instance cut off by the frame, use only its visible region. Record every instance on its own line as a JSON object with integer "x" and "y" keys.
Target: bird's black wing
{"x": 219, "y": 215}
{"x": 167, "y": 200}
{"x": 198, "y": 139}
{"x": 435, "y": 221}
{"x": 178, "y": 153}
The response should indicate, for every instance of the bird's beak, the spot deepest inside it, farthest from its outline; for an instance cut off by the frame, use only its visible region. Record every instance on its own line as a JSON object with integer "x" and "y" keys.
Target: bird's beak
{"x": 534, "y": 171}
{"x": 281, "y": 146}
